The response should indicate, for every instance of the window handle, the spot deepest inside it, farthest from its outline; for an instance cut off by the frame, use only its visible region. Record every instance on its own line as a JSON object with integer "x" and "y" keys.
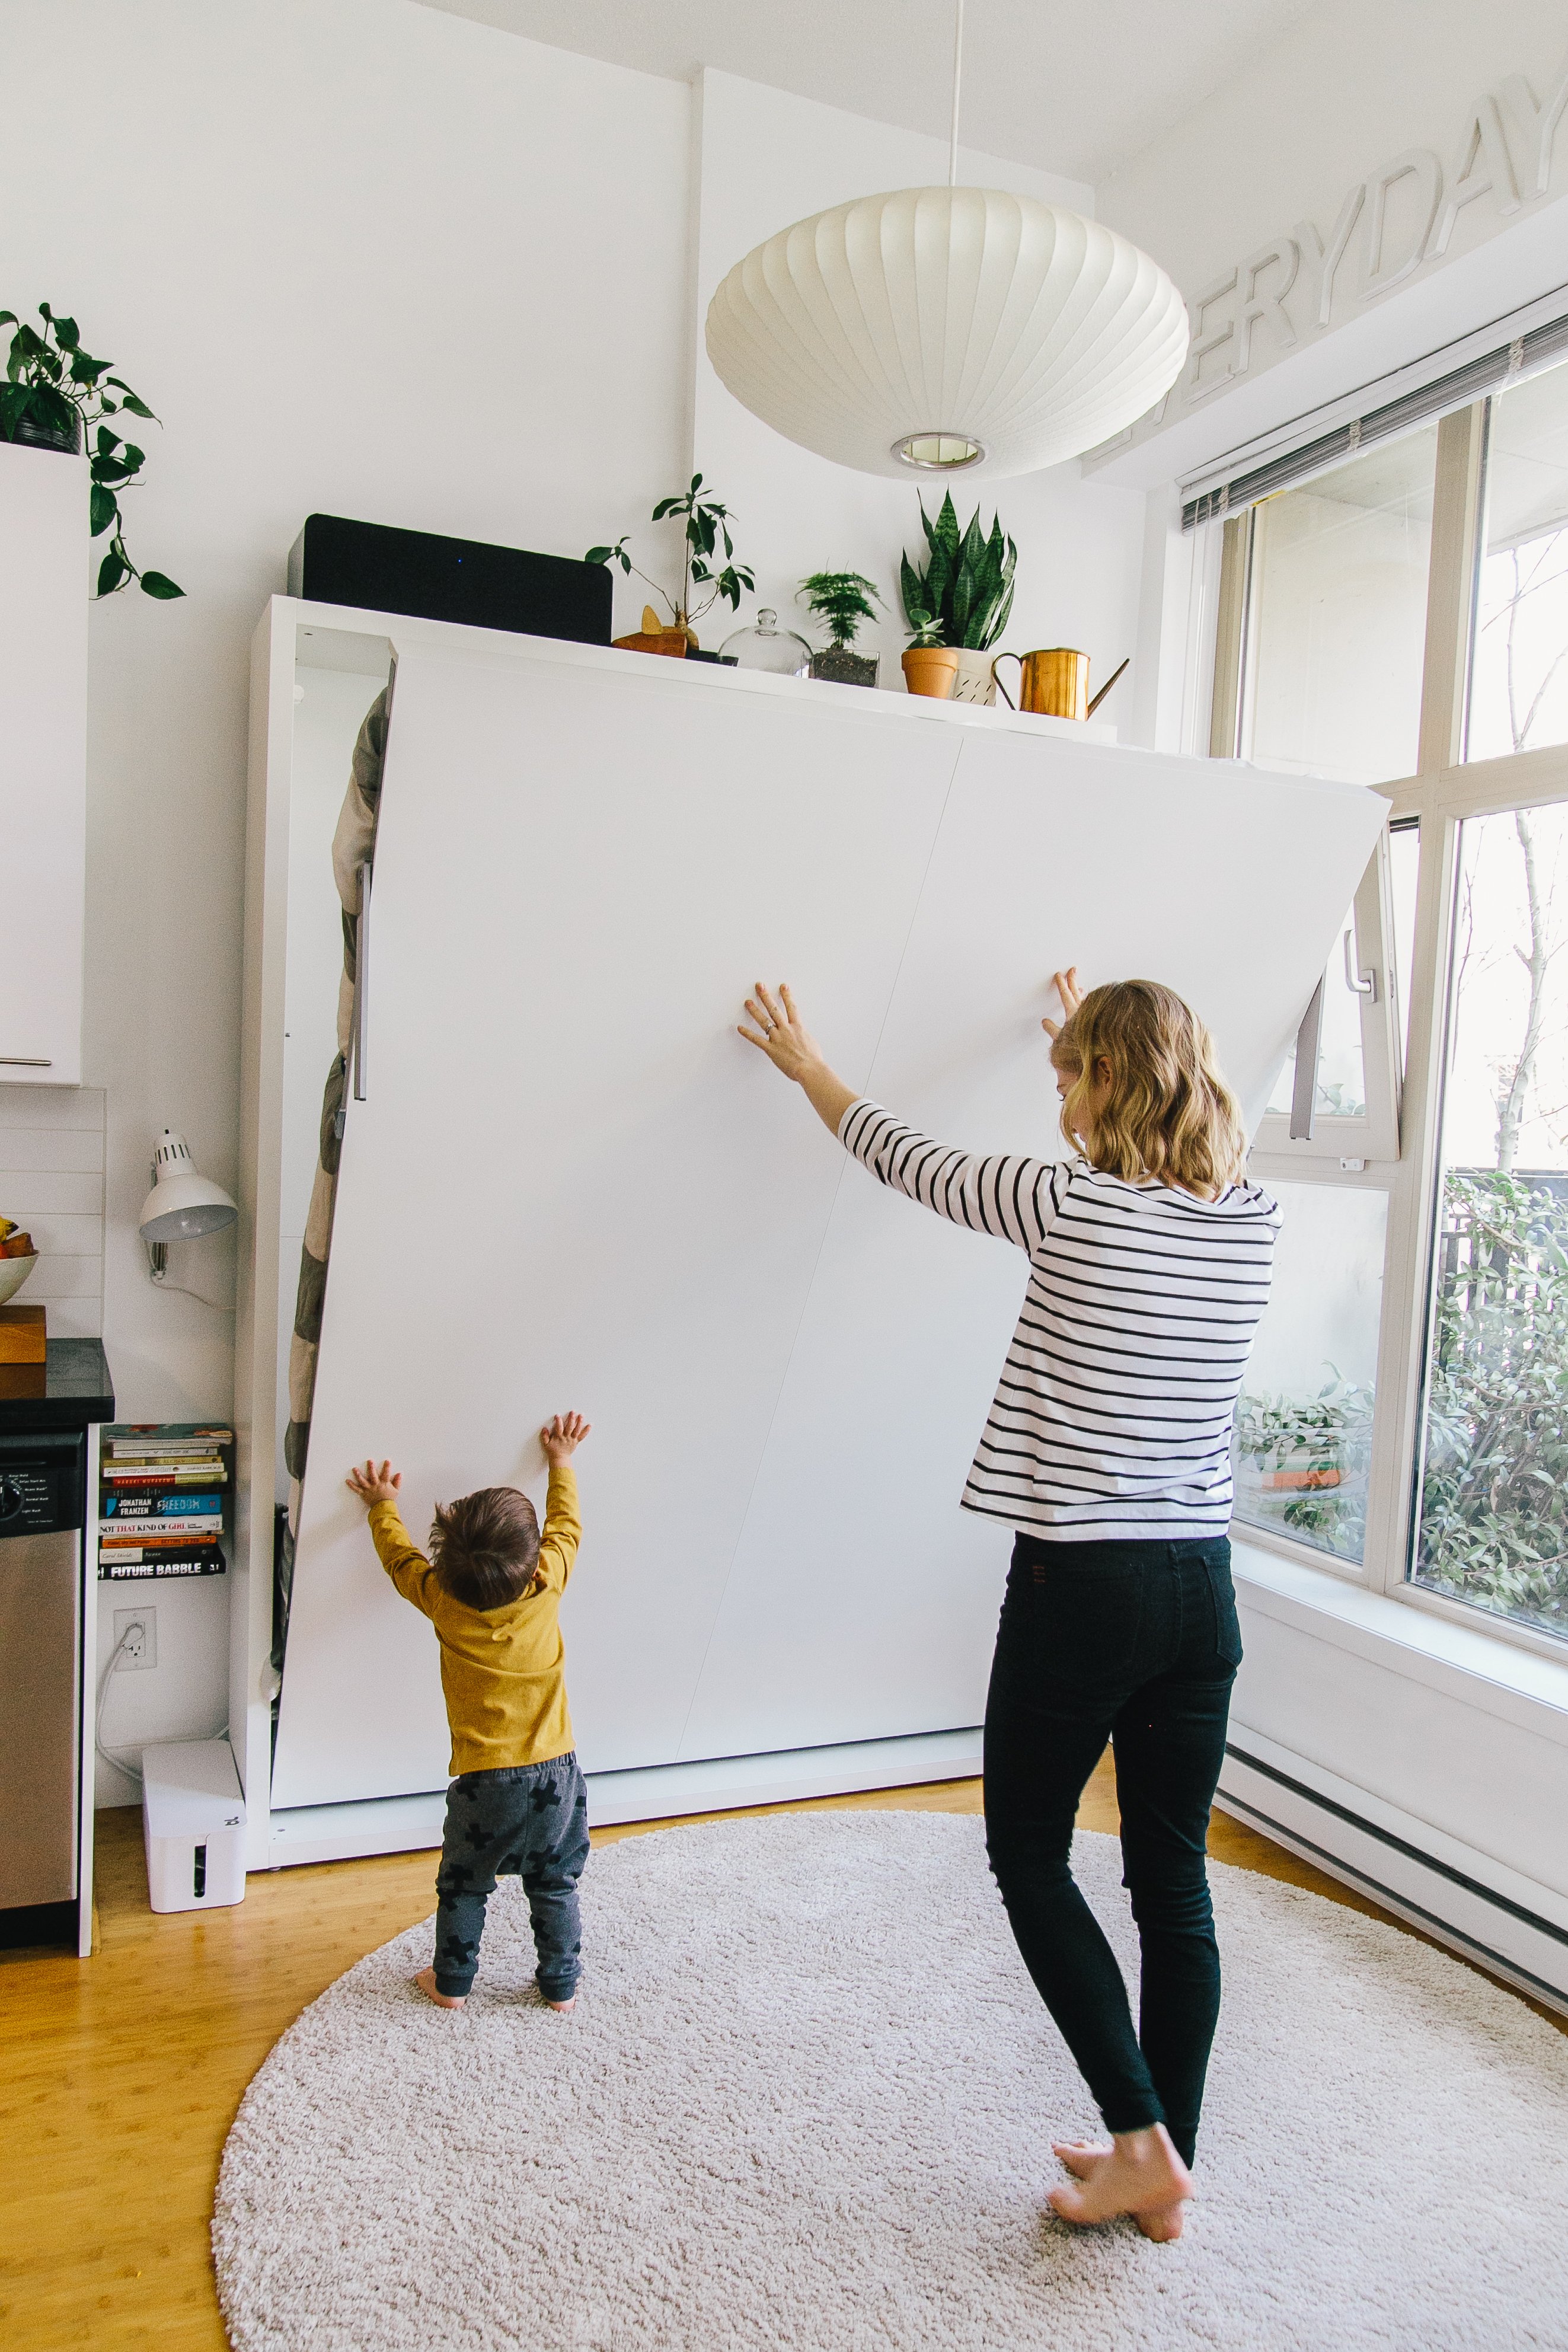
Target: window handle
{"x": 1366, "y": 985}
{"x": 361, "y": 983}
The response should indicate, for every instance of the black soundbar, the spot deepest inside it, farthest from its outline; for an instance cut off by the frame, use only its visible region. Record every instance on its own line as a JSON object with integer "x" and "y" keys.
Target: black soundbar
{"x": 383, "y": 570}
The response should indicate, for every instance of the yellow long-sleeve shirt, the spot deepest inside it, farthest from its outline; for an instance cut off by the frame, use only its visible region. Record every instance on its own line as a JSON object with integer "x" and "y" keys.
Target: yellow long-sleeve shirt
{"x": 503, "y": 1671}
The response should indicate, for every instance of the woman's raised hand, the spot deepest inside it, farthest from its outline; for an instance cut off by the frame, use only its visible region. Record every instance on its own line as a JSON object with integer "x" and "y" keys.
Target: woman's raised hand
{"x": 1066, "y": 986}
{"x": 780, "y": 1032}
{"x": 776, "y": 1029}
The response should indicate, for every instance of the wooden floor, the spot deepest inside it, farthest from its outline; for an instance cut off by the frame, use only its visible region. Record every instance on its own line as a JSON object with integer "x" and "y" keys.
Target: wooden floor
{"x": 119, "y": 2077}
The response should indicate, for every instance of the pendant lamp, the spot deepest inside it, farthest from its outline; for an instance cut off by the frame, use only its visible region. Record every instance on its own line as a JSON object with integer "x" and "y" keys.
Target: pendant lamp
{"x": 933, "y": 330}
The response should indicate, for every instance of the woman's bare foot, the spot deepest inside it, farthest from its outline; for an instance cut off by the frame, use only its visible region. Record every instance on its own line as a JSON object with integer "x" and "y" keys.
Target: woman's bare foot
{"x": 425, "y": 1980}
{"x": 1140, "y": 2174}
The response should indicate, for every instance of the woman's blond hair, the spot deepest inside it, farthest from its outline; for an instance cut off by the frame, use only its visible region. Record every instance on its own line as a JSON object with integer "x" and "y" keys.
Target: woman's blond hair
{"x": 1170, "y": 1114}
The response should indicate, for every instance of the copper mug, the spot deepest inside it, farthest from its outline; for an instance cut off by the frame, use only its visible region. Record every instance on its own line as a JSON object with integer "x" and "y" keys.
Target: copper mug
{"x": 1054, "y": 681}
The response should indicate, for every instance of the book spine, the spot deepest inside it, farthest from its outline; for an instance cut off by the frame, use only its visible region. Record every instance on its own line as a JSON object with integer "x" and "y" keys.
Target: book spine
{"x": 207, "y": 1523}
{"x": 123, "y": 1568}
{"x": 128, "y": 1474}
{"x": 172, "y": 1505}
{"x": 166, "y": 1480}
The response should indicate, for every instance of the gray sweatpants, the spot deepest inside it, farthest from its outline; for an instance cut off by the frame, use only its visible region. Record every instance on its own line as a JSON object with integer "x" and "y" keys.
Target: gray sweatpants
{"x": 527, "y": 1821}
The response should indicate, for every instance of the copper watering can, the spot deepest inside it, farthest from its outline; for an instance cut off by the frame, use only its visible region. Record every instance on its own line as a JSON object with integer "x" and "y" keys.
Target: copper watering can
{"x": 1054, "y": 681}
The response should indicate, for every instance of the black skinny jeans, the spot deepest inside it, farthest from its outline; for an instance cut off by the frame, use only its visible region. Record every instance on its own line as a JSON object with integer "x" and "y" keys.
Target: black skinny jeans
{"x": 1137, "y": 1643}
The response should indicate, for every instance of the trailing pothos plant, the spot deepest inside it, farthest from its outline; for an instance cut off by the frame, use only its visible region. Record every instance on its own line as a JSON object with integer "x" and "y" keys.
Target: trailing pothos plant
{"x": 964, "y": 592}
{"x": 53, "y": 385}
{"x": 707, "y": 521}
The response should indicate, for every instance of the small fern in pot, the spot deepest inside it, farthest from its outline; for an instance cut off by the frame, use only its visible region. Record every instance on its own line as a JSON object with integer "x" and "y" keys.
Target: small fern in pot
{"x": 838, "y": 600}
{"x": 962, "y": 595}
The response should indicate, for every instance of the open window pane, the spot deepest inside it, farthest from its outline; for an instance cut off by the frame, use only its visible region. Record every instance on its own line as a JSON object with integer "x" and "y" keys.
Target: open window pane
{"x": 1304, "y": 1429}
{"x": 1493, "y": 1525}
{"x": 1519, "y": 684}
{"x": 1342, "y": 1066}
{"x": 1355, "y": 1105}
{"x": 1336, "y": 627}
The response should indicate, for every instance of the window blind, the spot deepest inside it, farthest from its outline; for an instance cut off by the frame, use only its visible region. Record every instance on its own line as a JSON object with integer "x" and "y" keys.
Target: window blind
{"x": 1492, "y": 370}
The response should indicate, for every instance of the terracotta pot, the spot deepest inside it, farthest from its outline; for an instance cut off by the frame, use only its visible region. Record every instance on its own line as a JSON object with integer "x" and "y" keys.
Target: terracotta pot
{"x": 931, "y": 669}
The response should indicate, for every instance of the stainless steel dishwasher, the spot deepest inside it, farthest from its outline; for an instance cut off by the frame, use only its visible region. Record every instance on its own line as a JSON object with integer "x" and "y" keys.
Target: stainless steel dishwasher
{"x": 42, "y": 1482}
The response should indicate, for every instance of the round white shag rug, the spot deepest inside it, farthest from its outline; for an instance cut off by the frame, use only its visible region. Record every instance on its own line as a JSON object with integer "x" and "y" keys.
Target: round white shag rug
{"x": 805, "y": 2101}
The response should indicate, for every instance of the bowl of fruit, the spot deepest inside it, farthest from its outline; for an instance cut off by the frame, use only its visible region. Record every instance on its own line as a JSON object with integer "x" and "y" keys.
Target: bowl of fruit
{"x": 17, "y": 1258}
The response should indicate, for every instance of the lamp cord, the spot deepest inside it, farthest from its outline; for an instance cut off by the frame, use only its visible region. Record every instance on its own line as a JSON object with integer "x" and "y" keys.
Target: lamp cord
{"x": 957, "y": 74}
{"x": 186, "y": 1291}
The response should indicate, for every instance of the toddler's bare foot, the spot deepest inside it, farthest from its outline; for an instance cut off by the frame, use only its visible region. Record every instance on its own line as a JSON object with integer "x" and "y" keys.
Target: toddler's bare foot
{"x": 1139, "y": 2174}
{"x": 560, "y": 2007}
{"x": 425, "y": 1980}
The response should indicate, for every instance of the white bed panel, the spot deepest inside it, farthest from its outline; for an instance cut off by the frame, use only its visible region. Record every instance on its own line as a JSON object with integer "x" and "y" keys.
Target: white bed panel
{"x": 573, "y": 1184}
{"x": 863, "y": 1602}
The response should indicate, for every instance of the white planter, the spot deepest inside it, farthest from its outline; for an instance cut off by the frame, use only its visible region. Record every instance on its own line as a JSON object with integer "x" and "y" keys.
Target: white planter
{"x": 973, "y": 682}
{"x": 44, "y": 550}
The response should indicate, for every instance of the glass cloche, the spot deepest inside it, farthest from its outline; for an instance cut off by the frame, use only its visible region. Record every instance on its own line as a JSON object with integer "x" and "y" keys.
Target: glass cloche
{"x": 769, "y": 647}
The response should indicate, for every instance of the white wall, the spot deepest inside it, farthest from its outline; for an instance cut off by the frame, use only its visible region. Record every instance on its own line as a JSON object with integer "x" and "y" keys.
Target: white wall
{"x": 1338, "y": 93}
{"x": 369, "y": 259}
{"x": 1278, "y": 149}
{"x": 364, "y": 259}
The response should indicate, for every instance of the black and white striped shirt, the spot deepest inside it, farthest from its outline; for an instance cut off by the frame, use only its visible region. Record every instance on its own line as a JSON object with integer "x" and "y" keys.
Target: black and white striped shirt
{"x": 1112, "y": 1417}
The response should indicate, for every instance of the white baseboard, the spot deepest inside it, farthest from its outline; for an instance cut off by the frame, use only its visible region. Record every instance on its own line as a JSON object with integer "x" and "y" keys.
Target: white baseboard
{"x": 1463, "y": 1899}
{"x": 306, "y": 1834}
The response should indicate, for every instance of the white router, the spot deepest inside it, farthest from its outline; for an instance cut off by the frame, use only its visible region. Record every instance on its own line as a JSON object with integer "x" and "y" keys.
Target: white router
{"x": 192, "y": 1820}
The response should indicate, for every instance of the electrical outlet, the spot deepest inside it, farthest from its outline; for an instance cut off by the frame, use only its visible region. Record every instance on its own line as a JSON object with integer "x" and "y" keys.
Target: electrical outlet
{"x": 138, "y": 1629}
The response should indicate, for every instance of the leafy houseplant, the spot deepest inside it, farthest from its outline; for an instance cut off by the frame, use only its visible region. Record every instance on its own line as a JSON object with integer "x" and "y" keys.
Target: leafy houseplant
{"x": 53, "y": 391}
{"x": 838, "y": 600}
{"x": 707, "y": 521}
{"x": 965, "y": 594}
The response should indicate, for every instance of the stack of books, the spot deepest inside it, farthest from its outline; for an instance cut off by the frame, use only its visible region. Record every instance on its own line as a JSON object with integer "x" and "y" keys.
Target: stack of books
{"x": 163, "y": 1490}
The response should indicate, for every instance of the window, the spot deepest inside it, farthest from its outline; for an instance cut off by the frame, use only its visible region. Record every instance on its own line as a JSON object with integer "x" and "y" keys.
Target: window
{"x": 1491, "y": 1528}
{"x": 1519, "y": 694}
{"x": 1337, "y": 617}
{"x": 1401, "y": 619}
{"x": 1303, "y": 1431}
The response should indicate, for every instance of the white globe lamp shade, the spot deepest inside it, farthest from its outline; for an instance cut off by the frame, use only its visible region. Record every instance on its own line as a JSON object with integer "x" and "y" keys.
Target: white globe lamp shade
{"x": 181, "y": 1205}
{"x": 944, "y": 329}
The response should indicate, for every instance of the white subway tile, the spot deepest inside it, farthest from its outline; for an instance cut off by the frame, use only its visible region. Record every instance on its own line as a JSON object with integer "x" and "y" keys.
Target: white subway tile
{"x": 57, "y": 1106}
{"x": 56, "y": 1149}
{"x": 29, "y": 1194}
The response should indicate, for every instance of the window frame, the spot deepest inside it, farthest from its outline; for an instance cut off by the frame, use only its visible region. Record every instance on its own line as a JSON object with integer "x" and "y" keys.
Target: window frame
{"x": 1445, "y": 790}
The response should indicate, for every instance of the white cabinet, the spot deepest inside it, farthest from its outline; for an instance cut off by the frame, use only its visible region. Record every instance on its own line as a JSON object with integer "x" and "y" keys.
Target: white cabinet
{"x": 44, "y": 550}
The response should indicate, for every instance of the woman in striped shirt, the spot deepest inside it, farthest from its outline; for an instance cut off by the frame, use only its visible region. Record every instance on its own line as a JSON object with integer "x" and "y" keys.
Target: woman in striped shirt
{"x": 1107, "y": 1449}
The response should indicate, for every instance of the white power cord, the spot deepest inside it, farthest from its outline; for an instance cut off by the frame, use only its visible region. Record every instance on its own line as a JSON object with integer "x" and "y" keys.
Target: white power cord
{"x": 118, "y": 1762}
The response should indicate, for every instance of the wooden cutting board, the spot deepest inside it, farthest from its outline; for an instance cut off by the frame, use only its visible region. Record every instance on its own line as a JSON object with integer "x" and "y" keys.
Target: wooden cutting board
{"x": 23, "y": 1336}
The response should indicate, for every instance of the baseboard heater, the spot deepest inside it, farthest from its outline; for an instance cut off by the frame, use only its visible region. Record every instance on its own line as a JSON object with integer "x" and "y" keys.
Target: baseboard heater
{"x": 716, "y": 1784}
{"x": 1454, "y": 1906}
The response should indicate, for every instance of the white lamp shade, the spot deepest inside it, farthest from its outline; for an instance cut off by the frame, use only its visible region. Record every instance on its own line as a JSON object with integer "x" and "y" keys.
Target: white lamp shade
{"x": 181, "y": 1205}
{"x": 1012, "y": 324}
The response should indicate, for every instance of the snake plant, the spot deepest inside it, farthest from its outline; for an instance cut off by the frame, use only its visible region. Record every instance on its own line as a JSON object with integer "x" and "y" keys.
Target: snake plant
{"x": 965, "y": 594}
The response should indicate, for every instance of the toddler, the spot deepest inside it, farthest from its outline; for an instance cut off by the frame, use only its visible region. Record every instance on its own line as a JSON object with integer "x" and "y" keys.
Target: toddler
{"x": 492, "y": 1588}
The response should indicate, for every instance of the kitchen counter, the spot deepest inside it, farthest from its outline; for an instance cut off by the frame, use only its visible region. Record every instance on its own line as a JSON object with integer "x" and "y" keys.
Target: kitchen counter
{"x": 77, "y": 1390}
